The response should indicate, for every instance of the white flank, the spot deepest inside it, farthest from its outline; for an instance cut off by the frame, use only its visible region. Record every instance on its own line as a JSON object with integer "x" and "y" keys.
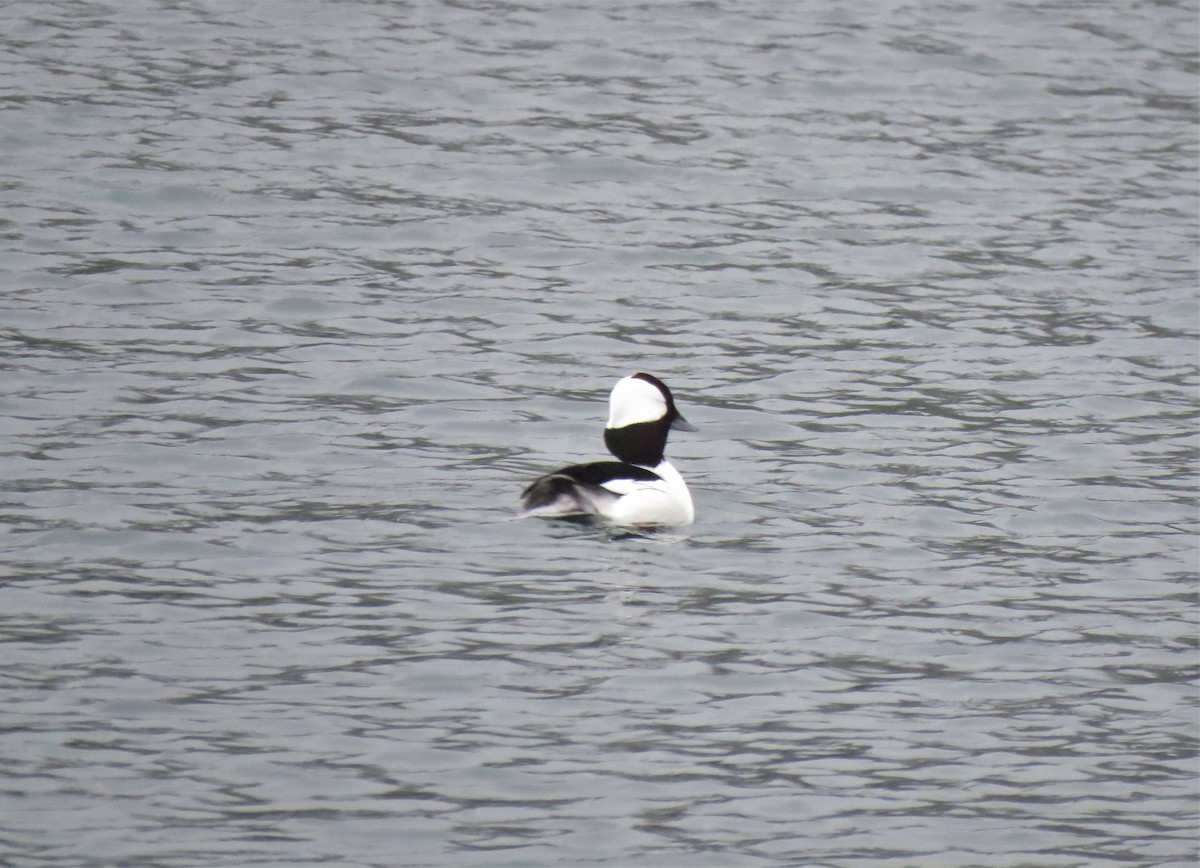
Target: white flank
{"x": 663, "y": 502}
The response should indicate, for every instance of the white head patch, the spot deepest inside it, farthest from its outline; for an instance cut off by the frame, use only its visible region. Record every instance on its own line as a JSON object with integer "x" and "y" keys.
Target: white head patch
{"x": 632, "y": 401}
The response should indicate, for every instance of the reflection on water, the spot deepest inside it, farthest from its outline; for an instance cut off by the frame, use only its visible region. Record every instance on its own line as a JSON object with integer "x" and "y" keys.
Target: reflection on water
{"x": 298, "y": 303}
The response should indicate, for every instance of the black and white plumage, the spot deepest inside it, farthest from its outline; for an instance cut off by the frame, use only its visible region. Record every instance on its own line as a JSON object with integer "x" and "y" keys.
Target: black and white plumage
{"x": 641, "y": 487}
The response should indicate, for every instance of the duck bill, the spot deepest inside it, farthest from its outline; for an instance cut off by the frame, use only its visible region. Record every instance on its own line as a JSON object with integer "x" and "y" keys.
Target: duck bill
{"x": 681, "y": 424}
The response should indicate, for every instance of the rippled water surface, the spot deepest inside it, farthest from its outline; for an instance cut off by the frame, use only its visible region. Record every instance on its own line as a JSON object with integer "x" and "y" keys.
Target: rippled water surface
{"x": 299, "y": 295}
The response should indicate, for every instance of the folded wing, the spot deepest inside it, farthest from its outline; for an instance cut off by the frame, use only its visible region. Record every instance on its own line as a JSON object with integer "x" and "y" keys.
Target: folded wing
{"x": 583, "y": 489}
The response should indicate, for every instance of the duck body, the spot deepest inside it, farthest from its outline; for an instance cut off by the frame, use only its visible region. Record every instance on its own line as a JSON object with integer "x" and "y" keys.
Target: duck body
{"x": 641, "y": 487}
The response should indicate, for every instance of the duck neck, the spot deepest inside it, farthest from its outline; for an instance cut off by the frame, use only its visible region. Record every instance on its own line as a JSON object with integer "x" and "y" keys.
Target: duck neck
{"x": 641, "y": 443}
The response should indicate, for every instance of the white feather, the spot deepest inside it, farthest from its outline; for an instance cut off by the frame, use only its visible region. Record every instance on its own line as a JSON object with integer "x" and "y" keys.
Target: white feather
{"x": 632, "y": 401}
{"x": 666, "y": 501}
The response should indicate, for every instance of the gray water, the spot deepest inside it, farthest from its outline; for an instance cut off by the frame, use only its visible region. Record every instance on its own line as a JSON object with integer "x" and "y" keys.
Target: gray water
{"x": 298, "y": 296}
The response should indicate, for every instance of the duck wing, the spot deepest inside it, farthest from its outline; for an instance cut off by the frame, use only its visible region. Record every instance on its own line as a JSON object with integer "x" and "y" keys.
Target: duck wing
{"x": 582, "y": 489}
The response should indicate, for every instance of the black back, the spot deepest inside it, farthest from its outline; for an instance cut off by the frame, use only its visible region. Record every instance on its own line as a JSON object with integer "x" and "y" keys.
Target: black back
{"x": 549, "y": 488}
{"x": 600, "y": 472}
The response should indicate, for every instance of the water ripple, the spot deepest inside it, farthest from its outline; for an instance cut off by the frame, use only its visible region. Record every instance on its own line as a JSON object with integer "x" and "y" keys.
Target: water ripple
{"x": 296, "y": 303}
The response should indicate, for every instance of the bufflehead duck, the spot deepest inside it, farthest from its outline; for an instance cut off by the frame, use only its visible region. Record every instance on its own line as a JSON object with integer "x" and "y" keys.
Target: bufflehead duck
{"x": 640, "y": 487}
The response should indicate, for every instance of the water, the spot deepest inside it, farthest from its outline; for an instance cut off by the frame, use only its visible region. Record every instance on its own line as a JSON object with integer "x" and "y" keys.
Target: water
{"x": 298, "y": 297}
